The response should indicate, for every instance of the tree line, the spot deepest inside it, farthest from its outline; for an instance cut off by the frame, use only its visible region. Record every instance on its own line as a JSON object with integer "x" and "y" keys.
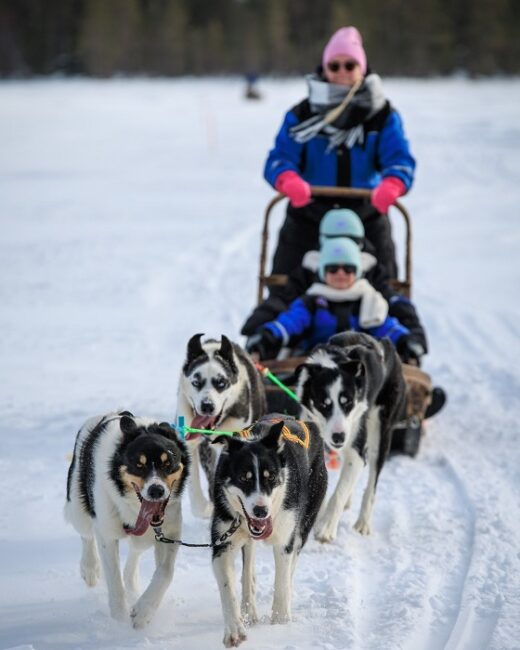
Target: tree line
{"x": 102, "y": 38}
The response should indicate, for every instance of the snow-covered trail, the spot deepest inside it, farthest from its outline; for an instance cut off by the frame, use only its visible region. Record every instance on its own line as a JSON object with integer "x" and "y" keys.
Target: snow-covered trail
{"x": 130, "y": 215}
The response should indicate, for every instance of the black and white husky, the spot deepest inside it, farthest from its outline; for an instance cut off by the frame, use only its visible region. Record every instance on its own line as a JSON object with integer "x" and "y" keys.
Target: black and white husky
{"x": 126, "y": 477}
{"x": 271, "y": 486}
{"x": 355, "y": 389}
{"x": 219, "y": 388}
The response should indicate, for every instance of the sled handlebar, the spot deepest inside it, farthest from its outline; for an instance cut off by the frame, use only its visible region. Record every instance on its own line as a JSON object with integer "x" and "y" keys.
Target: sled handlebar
{"x": 403, "y": 286}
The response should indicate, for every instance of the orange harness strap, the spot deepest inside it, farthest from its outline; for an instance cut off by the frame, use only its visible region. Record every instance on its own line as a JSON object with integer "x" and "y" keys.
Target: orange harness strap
{"x": 286, "y": 433}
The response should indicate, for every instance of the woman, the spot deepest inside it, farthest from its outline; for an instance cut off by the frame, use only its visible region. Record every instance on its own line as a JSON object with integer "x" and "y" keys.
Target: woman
{"x": 345, "y": 134}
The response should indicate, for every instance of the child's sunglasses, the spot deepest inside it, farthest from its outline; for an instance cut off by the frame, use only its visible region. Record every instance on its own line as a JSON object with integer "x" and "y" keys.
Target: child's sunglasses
{"x": 334, "y": 268}
{"x": 334, "y": 66}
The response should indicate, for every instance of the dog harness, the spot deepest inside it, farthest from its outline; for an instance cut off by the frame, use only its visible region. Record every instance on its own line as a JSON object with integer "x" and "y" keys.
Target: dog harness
{"x": 286, "y": 432}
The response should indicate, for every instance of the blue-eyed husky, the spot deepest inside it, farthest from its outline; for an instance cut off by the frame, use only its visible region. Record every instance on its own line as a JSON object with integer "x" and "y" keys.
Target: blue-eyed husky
{"x": 126, "y": 477}
{"x": 219, "y": 388}
{"x": 271, "y": 486}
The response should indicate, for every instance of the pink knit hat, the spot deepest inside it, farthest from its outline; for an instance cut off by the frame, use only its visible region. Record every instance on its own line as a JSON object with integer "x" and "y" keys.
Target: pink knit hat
{"x": 346, "y": 41}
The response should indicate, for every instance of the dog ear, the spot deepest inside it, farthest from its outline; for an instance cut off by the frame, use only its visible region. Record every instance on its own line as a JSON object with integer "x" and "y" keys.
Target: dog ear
{"x": 305, "y": 369}
{"x": 274, "y": 439}
{"x": 226, "y": 352}
{"x": 168, "y": 431}
{"x": 195, "y": 348}
{"x": 302, "y": 373}
{"x": 355, "y": 368}
{"x": 128, "y": 425}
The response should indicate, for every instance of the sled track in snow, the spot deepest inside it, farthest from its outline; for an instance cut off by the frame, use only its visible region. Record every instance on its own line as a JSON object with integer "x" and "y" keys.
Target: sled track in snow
{"x": 381, "y": 591}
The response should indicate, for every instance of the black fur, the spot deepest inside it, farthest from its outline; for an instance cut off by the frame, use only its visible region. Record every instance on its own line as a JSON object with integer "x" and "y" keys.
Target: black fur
{"x": 195, "y": 354}
{"x": 385, "y": 384}
{"x": 152, "y": 442}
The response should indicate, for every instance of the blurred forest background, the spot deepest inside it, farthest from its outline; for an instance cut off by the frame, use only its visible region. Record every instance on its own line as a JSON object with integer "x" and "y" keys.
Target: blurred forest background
{"x": 101, "y": 38}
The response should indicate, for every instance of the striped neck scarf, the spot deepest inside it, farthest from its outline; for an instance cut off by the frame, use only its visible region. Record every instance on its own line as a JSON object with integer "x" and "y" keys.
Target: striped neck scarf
{"x": 340, "y": 111}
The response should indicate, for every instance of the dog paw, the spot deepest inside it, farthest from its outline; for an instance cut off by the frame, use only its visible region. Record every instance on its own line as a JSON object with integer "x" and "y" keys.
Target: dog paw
{"x": 362, "y": 526}
{"x": 249, "y": 614}
{"x": 280, "y": 617}
{"x": 326, "y": 532}
{"x": 234, "y": 635}
{"x": 90, "y": 574}
{"x": 141, "y": 615}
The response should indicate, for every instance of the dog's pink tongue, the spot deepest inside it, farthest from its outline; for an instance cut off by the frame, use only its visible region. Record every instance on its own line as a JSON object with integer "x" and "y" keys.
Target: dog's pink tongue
{"x": 147, "y": 512}
{"x": 203, "y": 422}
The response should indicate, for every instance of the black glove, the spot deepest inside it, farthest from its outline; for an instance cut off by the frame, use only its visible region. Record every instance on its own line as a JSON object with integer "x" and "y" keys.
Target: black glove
{"x": 265, "y": 344}
{"x": 410, "y": 350}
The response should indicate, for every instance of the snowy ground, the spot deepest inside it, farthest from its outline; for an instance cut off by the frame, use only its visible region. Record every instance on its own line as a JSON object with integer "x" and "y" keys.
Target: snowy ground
{"x": 130, "y": 215}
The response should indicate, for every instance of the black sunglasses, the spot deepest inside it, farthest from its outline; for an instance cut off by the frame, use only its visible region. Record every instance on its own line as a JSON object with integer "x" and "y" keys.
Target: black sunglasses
{"x": 334, "y": 268}
{"x": 334, "y": 66}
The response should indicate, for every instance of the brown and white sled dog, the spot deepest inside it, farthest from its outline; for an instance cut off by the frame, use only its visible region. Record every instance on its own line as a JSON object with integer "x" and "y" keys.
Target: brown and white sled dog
{"x": 219, "y": 388}
{"x": 267, "y": 487}
{"x": 354, "y": 387}
{"x": 126, "y": 477}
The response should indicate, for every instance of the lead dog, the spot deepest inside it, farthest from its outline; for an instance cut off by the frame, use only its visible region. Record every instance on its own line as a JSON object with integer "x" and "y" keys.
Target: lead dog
{"x": 268, "y": 487}
{"x": 126, "y": 476}
{"x": 355, "y": 389}
{"x": 219, "y": 388}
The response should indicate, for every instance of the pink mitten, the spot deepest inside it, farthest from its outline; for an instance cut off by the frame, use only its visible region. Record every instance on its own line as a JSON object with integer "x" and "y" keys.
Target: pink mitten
{"x": 294, "y": 187}
{"x": 386, "y": 193}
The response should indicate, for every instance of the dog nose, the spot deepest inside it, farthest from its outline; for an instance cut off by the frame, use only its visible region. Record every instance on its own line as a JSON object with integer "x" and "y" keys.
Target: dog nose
{"x": 207, "y": 407}
{"x": 260, "y": 512}
{"x": 156, "y": 491}
{"x": 338, "y": 438}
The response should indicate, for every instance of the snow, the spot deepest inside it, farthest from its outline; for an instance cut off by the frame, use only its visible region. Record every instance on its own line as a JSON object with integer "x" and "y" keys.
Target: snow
{"x": 130, "y": 214}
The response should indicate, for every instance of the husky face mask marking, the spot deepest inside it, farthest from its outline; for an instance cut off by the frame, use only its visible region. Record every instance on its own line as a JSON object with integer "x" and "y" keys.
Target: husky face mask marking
{"x": 210, "y": 377}
{"x": 255, "y": 474}
{"x": 334, "y": 394}
{"x": 219, "y": 388}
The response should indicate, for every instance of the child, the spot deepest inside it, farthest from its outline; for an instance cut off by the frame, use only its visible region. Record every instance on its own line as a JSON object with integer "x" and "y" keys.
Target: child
{"x": 340, "y": 301}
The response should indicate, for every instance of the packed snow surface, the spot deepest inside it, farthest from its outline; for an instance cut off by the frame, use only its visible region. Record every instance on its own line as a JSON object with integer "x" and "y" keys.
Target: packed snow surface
{"x": 130, "y": 215}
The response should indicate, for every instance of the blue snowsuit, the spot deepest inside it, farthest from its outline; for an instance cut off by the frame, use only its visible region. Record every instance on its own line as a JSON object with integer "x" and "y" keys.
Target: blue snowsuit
{"x": 383, "y": 152}
{"x": 312, "y": 319}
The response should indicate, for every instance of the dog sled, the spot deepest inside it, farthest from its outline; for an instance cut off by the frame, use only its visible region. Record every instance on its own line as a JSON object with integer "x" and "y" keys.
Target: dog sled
{"x": 419, "y": 383}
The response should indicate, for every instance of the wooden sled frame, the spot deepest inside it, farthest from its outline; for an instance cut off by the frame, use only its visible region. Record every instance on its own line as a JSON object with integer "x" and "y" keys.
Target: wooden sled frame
{"x": 402, "y": 286}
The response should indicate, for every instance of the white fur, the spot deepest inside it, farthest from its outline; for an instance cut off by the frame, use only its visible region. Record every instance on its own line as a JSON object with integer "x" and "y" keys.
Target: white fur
{"x": 103, "y": 533}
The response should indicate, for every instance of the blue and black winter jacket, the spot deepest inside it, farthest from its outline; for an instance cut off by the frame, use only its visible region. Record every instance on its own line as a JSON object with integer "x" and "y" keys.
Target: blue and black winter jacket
{"x": 310, "y": 320}
{"x": 384, "y": 152}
